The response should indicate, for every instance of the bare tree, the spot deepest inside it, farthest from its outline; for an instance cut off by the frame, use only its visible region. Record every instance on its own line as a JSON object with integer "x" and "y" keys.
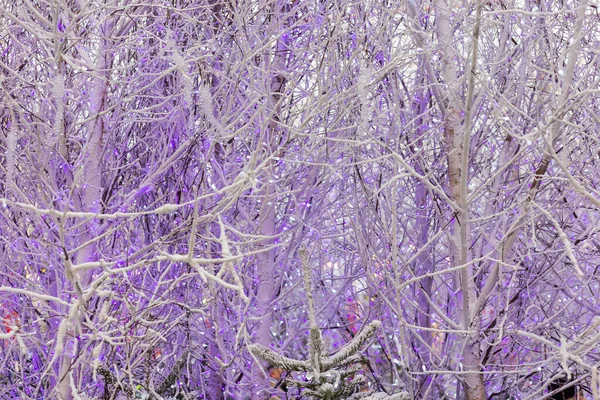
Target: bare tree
{"x": 164, "y": 163}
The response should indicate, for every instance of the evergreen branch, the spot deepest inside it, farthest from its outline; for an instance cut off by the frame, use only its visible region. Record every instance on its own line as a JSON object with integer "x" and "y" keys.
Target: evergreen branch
{"x": 172, "y": 377}
{"x": 381, "y": 396}
{"x": 352, "y": 347}
{"x": 278, "y": 360}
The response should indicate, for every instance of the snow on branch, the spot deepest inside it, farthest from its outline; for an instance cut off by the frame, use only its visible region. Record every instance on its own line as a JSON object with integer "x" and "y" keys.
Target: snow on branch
{"x": 352, "y": 347}
{"x": 278, "y": 360}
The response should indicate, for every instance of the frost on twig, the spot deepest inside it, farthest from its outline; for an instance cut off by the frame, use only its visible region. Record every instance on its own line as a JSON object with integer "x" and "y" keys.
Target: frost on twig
{"x": 328, "y": 377}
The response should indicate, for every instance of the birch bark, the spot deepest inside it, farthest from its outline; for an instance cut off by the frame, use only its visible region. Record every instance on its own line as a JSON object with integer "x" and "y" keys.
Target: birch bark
{"x": 457, "y": 126}
{"x": 266, "y": 265}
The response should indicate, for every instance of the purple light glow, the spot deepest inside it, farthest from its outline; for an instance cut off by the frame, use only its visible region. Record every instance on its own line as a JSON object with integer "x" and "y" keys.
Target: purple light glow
{"x": 164, "y": 169}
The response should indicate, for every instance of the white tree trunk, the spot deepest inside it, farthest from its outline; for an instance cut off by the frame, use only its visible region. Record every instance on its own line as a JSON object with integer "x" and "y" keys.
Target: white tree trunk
{"x": 457, "y": 138}
{"x": 265, "y": 276}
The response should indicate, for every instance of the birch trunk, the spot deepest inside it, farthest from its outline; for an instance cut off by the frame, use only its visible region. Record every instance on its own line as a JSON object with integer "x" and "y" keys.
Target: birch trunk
{"x": 265, "y": 271}
{"x": 457, "y": 138}
{"x": 88, "y": 190}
